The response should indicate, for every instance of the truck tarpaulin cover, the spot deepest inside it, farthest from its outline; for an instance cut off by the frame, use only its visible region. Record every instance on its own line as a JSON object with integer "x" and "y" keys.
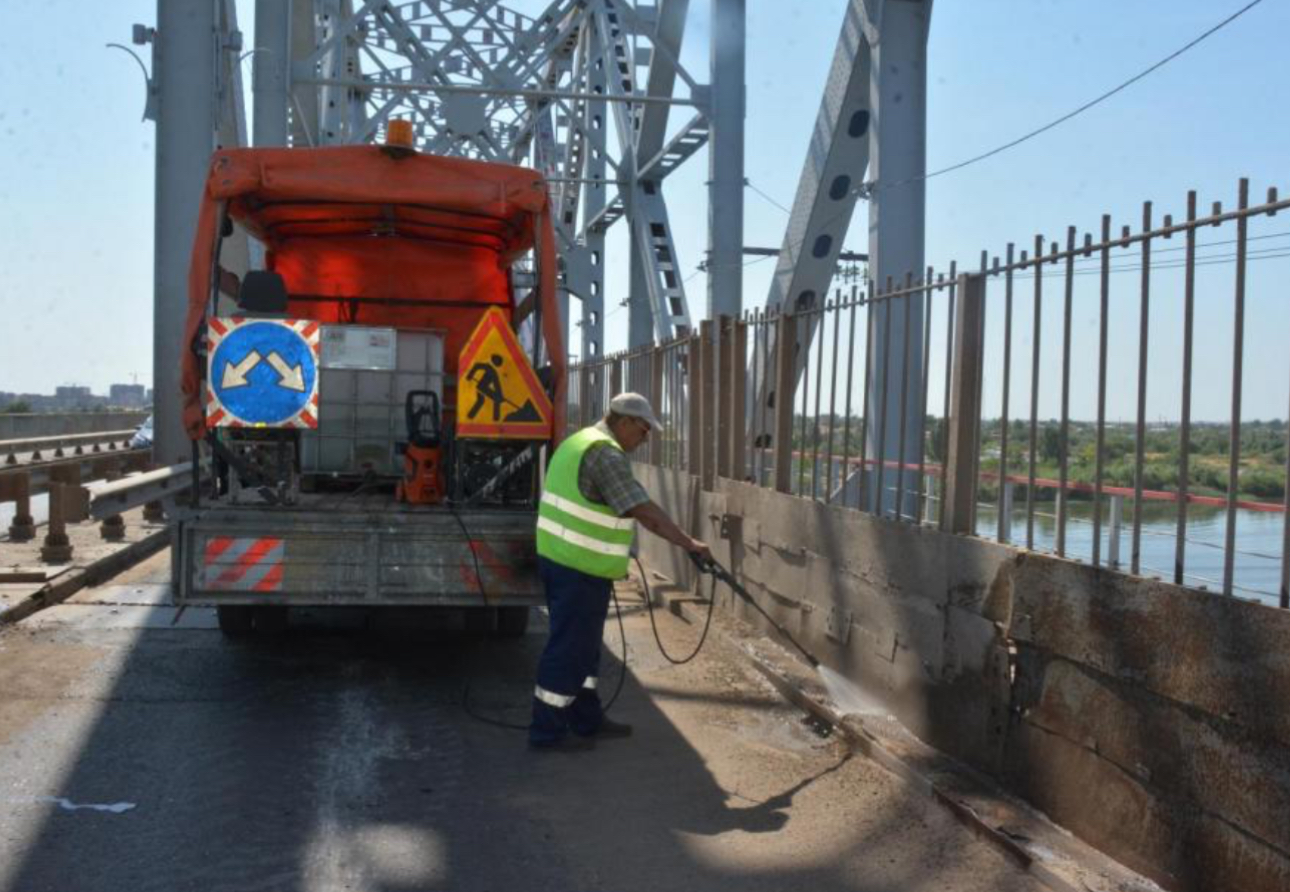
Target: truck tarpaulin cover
{"x": 362, "y": 236}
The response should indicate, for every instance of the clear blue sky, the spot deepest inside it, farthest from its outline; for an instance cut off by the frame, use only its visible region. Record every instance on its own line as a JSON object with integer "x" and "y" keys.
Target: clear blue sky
{"x": 76, "y": 235}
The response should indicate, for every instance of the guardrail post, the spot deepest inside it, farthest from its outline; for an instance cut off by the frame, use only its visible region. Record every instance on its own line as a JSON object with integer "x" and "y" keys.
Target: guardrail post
{"x": 17, "y": 488}
{"x": 113, "y": 528}
{"x": 738, "y": 390}
{"x": 722, "y": 398}
{"x": 154, "y": 512}
{"x": 57, "y": 548}
{"x": 959, "y": 510}
{"x": 785, "y": 385}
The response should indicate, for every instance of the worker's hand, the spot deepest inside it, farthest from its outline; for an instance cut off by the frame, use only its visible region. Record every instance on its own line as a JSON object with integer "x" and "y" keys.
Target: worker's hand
{"x": 699, "y": 550}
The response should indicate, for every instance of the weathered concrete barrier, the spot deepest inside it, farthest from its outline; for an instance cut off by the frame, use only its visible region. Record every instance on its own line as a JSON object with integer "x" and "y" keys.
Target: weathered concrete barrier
{"x": 1149, "y": 719}
{"x": 24, "y": 426}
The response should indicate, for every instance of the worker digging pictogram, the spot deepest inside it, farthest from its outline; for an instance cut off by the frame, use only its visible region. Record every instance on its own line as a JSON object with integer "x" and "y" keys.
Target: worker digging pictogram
{"x": 498, "y": 395}
{"x": 262, "y": 373}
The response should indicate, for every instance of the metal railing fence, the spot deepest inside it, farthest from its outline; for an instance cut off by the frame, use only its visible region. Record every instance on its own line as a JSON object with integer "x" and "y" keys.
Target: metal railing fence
{"x": 900, "y": 400}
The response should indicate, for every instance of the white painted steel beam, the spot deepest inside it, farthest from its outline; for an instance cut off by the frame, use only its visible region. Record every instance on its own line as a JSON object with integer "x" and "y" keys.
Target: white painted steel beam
{"x": 878, "y": 75}
{"x": 271, "y": 72}
{"x": 726, "y": 160}
{"x": 184, "y": 65}
{"x": 898, "y": 161}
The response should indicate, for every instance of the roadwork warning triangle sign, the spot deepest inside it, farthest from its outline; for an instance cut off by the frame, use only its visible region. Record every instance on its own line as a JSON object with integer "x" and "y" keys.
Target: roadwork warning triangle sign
{"x": 498, "y": 395}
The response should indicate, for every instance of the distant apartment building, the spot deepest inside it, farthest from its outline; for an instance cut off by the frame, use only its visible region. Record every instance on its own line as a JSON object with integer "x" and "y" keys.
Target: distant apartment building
{"x": 128, "y": 396}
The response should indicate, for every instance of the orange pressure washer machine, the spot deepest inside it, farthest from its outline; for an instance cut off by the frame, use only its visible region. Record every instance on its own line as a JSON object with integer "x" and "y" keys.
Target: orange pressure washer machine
{"x": 423, "y": 481}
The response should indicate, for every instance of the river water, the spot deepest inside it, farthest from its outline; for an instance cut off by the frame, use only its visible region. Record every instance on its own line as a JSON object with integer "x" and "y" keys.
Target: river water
{"x": 1259, "y": 537}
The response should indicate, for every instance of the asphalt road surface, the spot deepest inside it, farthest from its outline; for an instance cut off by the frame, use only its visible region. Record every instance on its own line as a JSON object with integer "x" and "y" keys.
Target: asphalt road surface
{"x": 142, "y": 756}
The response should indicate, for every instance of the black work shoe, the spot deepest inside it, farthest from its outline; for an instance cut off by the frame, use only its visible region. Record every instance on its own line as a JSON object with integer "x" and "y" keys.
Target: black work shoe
{"x": 570, "y": 743}
{"x": 610, "y": 728}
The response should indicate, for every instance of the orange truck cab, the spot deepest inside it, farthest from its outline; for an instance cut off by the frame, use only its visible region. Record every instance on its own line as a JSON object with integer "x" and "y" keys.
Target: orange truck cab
{"x": 371, "y": 405}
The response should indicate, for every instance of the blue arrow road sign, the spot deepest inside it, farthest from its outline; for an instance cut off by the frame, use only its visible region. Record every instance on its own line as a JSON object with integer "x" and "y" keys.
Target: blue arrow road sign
{"x": 263, "y": 373}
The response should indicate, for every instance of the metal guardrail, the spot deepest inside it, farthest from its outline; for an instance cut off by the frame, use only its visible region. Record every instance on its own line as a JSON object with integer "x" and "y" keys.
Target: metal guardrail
{"x": 36, "y": 447}
{"x": 111, "y": 497}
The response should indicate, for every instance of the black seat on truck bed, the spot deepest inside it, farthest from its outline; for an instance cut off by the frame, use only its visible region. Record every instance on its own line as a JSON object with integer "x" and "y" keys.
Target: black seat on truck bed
{"x": 263, "y": 293}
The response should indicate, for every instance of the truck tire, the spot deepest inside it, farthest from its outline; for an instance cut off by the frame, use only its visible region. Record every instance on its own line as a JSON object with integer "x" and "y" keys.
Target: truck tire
{"x": 271, "y": 619}
{"x": 481, "y": 620}
{"x": 512, "y": 622}
{"x": 235, "y": 620}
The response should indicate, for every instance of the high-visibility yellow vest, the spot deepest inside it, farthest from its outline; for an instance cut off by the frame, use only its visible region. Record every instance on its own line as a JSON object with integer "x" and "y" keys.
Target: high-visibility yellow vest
{"x": 573, "y": 530}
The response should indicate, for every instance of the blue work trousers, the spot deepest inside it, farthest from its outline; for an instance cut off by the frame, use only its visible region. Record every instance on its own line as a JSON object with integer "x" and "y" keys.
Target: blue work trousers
{"x": 569, "y": 669}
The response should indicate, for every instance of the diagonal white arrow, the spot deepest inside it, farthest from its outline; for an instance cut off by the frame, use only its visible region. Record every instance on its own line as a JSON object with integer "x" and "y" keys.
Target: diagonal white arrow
{"x": 235, "y": 375}
{"x": 290, "y": 377}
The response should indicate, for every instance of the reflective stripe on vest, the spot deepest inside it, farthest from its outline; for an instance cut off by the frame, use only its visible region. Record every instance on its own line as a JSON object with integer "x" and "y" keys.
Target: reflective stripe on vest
{"x": 548, "y": 525}
{"x": 574, "y": 531}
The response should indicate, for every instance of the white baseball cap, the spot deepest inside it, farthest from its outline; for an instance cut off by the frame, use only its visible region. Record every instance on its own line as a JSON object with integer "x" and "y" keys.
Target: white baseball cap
{"x": 634, "y": 405}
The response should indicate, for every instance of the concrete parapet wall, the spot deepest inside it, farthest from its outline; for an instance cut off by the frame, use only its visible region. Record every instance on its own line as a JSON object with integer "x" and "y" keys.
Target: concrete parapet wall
{"x": 1149, "y": 719}
{"x": 26, "y": 426}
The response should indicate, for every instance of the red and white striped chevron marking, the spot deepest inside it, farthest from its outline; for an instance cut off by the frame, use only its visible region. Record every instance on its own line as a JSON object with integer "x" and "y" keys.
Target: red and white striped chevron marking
{"x": 218, "y": 328}
{"x": 233, "y": 563}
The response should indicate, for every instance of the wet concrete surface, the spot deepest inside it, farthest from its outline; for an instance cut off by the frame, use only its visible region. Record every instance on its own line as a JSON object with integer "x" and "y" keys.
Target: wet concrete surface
{"x": 137, "y": 754}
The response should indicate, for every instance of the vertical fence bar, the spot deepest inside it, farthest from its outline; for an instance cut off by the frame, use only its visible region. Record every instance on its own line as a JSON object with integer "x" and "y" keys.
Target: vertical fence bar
{"x": 785, "y": 383}
{"x": 949, "y": 363}
{"x": 738, "y": 395}
{"x": 694, "y": 423}
{"x": 1184, "y": 444}
{"x": 882, "y": 404}
{"x": 722, "y": 402}
{"x": 1140, "y": 445}
{"x": 656, "y": 357}
{"x": 1285, "y": 530}
{"x": 833, "y": 392}
{"x": 904, "y": 398}
{"x": 1034, "y": 390}
{"x": 921, "y": 506}
{"x": 803, "y": 341}
{"x": 1064, "y": 434}
{"x": 1099, "y": 449}
{"x": 965, "y": 408}
{"x": 1238, "y": 358}
{"x": 1117, "y": 522}
{"x": 1005, "y": 523}
{"x": 846, "y": 426}
{"x": 764, "y": 387}
{"x": 821, "y": 320}
{"x": 862, "y": 493}
{"x": 706, "y": 432}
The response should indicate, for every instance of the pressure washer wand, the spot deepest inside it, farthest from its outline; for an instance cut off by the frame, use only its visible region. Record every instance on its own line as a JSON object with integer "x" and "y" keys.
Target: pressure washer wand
{"x": 710, "y": 565}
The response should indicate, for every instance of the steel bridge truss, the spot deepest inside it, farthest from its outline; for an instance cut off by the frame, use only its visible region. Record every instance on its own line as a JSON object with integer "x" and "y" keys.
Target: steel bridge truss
{"x": 479, "y": 79}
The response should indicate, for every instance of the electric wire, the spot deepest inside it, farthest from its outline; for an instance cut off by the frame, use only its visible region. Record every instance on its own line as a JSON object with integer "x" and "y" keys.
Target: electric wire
{"x": 749, "y": 184}
{"x": 867, "y": 190}
{"x": 1081, "y": 109}
{"x": 618, "y": 687}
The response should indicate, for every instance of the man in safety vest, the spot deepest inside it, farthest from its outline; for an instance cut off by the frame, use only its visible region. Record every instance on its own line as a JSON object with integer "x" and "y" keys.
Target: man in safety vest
{"x": 586, "y": 522}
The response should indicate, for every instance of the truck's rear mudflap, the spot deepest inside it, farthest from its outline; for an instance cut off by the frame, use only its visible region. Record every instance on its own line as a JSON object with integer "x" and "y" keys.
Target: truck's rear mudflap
{"x": 231, "y": 555}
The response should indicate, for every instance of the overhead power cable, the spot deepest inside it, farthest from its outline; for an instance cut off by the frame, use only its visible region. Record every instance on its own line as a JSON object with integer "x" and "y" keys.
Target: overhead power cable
{"x": 1083, "y": 108}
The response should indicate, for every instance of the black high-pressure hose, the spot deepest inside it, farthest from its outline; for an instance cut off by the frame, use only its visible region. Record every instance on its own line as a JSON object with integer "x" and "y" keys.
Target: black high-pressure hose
{"x": 707, "y": 623}
{"x": 706, "y": 566}
{"x": 618, "y": 687}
